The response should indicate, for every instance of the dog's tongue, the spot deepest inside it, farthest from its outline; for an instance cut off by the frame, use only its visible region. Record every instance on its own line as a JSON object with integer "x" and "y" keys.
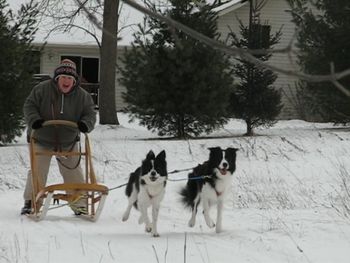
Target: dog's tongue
{"x": 223, "y": 171}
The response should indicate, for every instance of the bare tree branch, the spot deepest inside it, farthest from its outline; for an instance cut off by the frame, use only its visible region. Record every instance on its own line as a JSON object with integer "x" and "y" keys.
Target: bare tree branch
{"x": 90, "y": 16}
{"x": 337, "y": 84}
{"x": 68, "y": 26}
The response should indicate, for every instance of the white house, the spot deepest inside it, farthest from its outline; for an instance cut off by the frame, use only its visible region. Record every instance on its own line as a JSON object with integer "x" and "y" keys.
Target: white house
{"x": 275, "y": 13}
{"x": 83, "y": 49}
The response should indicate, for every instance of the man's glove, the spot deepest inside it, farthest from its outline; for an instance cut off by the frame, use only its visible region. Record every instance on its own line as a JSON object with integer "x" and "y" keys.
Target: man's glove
{"x": 82, "y": 127}
{"x": 38, "y": 124}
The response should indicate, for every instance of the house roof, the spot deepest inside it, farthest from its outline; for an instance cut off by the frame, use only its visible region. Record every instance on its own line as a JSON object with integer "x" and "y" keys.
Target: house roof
{"x": 229, "y": 6}
{"x": 128, "y": 20}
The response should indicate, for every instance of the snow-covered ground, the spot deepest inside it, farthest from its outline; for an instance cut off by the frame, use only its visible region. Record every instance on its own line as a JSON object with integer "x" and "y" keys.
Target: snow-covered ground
{"x": 289, "y": 201}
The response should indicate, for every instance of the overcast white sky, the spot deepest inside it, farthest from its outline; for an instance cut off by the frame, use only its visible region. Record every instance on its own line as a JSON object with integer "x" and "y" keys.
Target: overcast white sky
{"x": 129, "y": 17}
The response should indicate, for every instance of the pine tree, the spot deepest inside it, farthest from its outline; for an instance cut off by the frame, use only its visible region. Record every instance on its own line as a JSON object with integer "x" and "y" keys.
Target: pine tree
{"x": 323, "y": 28}
{"x": 254, "y": 99}
{"x": 16, "y": 35}
{"x": 175, "y": 84}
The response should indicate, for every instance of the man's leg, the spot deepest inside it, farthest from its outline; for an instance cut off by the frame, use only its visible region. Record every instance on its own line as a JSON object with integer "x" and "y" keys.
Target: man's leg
{"x": 72, "y": 172}
{"x": 42, "y": 165}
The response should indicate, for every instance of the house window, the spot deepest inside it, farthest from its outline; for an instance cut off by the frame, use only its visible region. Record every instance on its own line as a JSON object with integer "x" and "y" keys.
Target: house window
{"x": 88, "y": 70}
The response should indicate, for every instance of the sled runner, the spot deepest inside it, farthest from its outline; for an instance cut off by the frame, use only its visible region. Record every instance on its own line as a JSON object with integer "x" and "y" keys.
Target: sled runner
{"x": 91, "y": 192}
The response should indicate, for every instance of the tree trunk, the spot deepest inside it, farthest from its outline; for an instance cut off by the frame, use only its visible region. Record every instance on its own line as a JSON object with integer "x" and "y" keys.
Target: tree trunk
{"x": 180, "y": 126}
{"x": 250, "y": 131}
{"x": 250, "y": 69}
{"x": 107, "y": 95}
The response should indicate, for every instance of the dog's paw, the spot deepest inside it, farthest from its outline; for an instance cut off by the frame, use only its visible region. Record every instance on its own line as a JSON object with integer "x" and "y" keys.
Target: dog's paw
{"x": 148, "y": 229}
{"x": 191, "y": 223}
{"x": 125, "y": 217}
{"x": 210, "y": 223}
{"x": 155, "y": 235}
{"x": 218, "y": 229}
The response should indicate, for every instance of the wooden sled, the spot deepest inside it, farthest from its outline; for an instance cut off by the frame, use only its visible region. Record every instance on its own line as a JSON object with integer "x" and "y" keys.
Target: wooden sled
{"x": 43, "y": 196}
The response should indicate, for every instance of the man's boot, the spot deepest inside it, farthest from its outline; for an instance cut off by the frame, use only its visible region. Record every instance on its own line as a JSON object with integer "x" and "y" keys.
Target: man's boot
{"x": 27, "y": 208}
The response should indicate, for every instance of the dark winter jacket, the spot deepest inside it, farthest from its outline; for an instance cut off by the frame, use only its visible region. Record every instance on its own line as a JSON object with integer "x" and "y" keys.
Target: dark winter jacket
{"x": 47, "y": 102}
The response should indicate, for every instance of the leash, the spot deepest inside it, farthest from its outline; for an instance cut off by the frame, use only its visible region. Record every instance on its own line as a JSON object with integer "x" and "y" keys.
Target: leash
{"x": 192, "y": 178}
{"x": 182, "y": 170}
{"x": 184, "y": 179}
{"x": 171, "y": 180}
{"x": 119, "y": 186}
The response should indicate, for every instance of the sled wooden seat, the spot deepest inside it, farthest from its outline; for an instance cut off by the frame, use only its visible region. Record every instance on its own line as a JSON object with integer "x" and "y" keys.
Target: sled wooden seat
{"x": 91, "y": 192}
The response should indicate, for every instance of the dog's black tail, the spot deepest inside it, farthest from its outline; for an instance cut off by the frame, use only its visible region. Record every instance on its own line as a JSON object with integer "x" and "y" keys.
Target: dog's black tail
{"x": 189, "y": 193}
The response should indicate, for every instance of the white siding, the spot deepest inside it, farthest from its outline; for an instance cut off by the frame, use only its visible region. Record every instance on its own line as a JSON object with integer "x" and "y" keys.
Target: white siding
{"x": 120, "y": 89}
{"x": 274, "y": 12}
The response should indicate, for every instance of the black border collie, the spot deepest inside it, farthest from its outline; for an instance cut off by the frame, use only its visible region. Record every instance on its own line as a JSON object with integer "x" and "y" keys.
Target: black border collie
{"x": 145, "y": 188}
{"x": 208, "y": 183}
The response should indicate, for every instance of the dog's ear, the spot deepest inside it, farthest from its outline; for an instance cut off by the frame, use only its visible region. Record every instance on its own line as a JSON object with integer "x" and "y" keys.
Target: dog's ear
{"x": 211, "y": 149}
{"x": 150, "y": 155}
{"x": 161, "y": 155}
{"x": 232, "y": 149}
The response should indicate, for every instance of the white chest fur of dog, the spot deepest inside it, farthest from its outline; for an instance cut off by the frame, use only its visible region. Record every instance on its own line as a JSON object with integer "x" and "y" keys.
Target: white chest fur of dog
{"x": 150, "y": 196}
{"x": 211, "y": 196}
{"x": 215, "y": 177}
{"x": 146, "y": 188}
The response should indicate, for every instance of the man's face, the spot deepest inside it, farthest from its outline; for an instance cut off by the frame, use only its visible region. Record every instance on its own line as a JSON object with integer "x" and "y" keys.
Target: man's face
{"x": 65, "y": 83}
